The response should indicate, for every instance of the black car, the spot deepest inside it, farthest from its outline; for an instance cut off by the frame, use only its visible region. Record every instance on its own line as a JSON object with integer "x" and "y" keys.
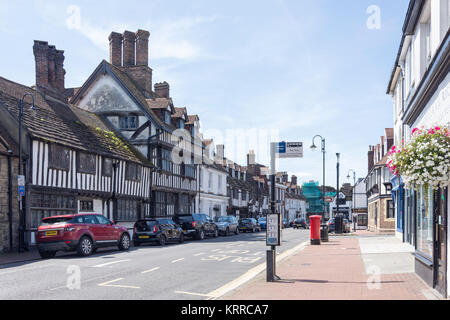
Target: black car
{"x": 158, "y": 231}
{"x": 286, "y": 223}
{"x": 331, "y": 225}
{"x": 249, "y": 225}
{"x": 197, "y": 225}
{"x": 300, "y": 223}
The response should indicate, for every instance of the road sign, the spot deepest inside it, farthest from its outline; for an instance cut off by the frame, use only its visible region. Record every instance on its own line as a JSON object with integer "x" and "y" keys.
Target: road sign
{"x": 290, "y": 149}
{"x": 21, "y": 185}
{"x": 273, "y": 230}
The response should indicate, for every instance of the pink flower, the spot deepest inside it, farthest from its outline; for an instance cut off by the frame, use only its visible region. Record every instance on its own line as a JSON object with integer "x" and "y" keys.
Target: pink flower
{"x": 437, "y": 128}
{"x": 431, "y": 131}
{"x": 415, "y": 130}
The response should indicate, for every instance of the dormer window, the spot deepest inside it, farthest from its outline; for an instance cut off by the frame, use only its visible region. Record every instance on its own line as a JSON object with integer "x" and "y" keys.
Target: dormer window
{"x": 181, "y": 124}
{"x": 167, "y": 118}
{"x": 129, "y": 122}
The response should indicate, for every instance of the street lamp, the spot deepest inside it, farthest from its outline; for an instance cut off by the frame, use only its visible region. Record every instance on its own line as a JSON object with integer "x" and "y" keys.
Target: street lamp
{"x": 353, "y": 197}
{"x": 23, "y": 244}
{"x": 313, "y": 148}
{"x": 338, "y": 155}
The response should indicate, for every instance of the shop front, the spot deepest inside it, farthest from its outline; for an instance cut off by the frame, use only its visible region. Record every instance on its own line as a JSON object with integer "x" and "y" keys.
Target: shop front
{"x": 431, "y": 237}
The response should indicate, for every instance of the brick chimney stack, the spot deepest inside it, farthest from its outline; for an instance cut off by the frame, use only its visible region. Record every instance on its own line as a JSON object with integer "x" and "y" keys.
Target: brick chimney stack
{"x": 142, "y": 37}
{"x": 251, "y": 158}
{"x": 162, "y": 90}
{"x": 129, "y": 50}
{"x": 115, "y": 48}
{"x": 50, "y": 71}
{"x": 370, "y": 157}
{"x": 294, "y": 180}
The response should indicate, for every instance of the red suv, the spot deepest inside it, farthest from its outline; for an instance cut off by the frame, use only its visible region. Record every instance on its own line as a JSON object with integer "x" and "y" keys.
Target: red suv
{"x": 83, "y": 233}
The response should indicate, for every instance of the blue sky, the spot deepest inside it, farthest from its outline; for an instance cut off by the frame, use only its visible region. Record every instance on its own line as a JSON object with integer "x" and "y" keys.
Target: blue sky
{"x": 296, "y": 66}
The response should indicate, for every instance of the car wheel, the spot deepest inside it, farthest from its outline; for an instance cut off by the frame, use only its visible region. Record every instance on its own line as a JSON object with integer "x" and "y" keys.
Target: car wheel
{"x": 201, "y": 235}
{"x": 162, "y": 240}
{"x": 85, "y": 247}
{"x": 181, "y": 240}
{"x": 124, "y": 243}
{"x": 47, "y": 254}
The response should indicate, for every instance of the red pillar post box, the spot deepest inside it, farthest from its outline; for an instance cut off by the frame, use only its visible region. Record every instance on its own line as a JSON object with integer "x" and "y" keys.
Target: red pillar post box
{"x": 315, "y": 230}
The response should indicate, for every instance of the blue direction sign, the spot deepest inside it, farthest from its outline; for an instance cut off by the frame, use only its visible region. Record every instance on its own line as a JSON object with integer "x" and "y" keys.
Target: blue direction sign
{"x": 281, "y": 147}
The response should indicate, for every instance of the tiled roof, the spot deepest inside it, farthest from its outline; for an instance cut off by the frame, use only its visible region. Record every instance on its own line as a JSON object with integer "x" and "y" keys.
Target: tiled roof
{"x": 55, "y": 121}
{"x": 192, "y": 119}
{"x": 179, "y": 112}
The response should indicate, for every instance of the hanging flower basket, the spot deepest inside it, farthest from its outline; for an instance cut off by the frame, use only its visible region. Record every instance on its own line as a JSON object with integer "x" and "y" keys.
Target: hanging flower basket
{"x": 425, "y": 160}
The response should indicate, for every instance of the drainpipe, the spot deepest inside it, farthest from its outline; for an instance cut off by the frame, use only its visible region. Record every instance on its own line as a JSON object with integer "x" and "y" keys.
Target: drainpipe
{"x": 10, "y": 200}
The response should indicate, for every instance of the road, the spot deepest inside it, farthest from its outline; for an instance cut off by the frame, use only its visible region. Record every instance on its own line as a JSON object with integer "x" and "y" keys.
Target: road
{"x": 175, "y": 272}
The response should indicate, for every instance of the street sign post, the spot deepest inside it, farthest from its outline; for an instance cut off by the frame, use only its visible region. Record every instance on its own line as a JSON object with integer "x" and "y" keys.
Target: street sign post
{"x": 280, "y": 150}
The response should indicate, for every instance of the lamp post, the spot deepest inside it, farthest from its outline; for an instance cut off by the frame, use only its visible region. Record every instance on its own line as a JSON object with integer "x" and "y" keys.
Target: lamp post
{"x": 353, "y": 197}
{"x": 23, "y": 243}
{"x": 338, "y": 155}
{"x": 314, "y": 147}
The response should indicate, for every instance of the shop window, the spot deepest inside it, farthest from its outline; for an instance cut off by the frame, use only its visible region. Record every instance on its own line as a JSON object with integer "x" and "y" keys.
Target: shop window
{"x": 425, "y": 221}
{"x": 127, "y": 210}
{"x": 86, "y": 206}
{"x": 48, "y": 205}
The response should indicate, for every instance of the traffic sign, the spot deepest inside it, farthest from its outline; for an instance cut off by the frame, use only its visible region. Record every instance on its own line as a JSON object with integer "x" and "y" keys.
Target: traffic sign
{"x": 290, "y": 150}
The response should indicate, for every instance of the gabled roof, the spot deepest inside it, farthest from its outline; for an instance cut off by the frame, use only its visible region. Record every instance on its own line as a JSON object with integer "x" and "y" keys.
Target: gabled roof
{"x": 148, "y": 104}
{"x": 58, "y": 122}
{"x": 179, "y": 113}
{"x": 192, "y": 119}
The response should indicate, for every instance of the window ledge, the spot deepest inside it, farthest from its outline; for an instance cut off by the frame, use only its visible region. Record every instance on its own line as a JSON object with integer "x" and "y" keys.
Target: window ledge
{"x": 422, "y": 259}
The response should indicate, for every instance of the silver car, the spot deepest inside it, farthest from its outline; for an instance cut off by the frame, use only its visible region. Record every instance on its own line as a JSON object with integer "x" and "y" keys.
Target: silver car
{"x": 227, "y": 225}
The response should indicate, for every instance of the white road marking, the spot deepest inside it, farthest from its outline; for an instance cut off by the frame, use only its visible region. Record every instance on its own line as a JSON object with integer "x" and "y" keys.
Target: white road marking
{"x": 194, "y": 294}
{"x": 110, "y": 263}
{"x": 108, "y": 284}
{"x": 199, "y": 254}
{"x": 174, "y": 261}
{"x": 151, "y": 270}
{"x": 24, "y": 269}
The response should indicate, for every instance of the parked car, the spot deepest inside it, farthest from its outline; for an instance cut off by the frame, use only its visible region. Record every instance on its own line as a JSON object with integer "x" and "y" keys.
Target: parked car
{"x": 300, "y": 223}
{"x": 227, "y": 225}
{"x": 331, "y": 226}
{"x": 286, "y": 223}
{"x": 249, "y": 225}
{"x": 197, "y": 225}
{"x": 158, "y": 231}
{"x": 347, "y": 226}
{"x": 263, "y": 223}
{"x": 84, "y": 233}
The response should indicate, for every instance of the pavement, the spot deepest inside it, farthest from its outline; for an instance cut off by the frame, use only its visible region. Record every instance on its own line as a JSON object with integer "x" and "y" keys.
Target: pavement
{"x": 359, "y": 266}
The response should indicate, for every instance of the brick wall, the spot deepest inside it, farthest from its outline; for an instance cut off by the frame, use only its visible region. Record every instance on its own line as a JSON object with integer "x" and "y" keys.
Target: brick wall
{"x": 382, "y": 224}
{"x": 4, "y": 209}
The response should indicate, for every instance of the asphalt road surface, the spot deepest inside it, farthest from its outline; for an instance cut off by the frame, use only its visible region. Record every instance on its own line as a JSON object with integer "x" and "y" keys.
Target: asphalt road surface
{"x": 188, "y": 271}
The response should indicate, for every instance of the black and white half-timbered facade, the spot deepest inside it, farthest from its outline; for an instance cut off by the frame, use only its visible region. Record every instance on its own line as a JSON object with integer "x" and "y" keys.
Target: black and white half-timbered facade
{"x": 122, "y": 95}
{"x": 73, "y": 161}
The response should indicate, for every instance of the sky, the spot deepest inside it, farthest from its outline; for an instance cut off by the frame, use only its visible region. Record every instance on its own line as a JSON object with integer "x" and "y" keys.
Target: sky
{"x": 254, "y": 71}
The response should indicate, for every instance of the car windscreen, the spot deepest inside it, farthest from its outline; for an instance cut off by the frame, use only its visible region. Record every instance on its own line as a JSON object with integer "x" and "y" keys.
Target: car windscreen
{"x": 246, "y": 221}
{"x": 224, "y": 219}
{"x": 52, "y": 221}
{"x": 182, "y": 219}
{"x": 262, "y": 220}
{"x": 144, "y": 226}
